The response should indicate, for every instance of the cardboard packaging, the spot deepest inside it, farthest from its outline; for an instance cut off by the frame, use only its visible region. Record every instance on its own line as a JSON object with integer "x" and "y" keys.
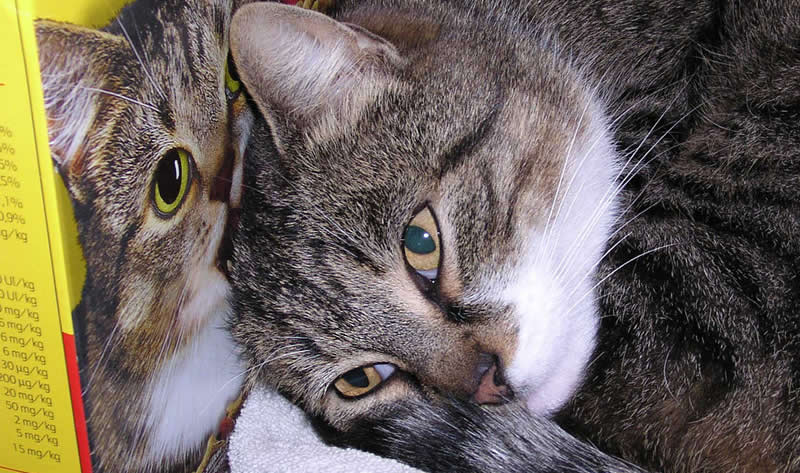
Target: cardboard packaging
{"x": 42, "y": 426}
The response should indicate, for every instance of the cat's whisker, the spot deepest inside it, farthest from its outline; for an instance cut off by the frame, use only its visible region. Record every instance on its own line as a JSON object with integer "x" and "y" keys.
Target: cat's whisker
{"x": 549, "y": 240}
{"x": 572, "y": 251}
{"x": 649, "y": 133}
{"x": 141, "y": 62}
{"x": 259, "y": 365}
{"x": 559, "y": 273}
{"x": 100, "y": 360}
{"x": 618, "y": 119}
{"x": 666, "y": 379}
{"x": 622, "y": 184}
{"x": 119, "y": 96}
{"x": 597, "y": 355}
{"x": 618, "y": 268}
{"x": 590, "y": 271}
{"x": 596, "y": 140}
{"x": 550, "y": 220}
{"x": 163, "y": 352}
{"x": 161, "y": 357}
{"x": 171, "y": 342}
{"x": 235, "y": 378}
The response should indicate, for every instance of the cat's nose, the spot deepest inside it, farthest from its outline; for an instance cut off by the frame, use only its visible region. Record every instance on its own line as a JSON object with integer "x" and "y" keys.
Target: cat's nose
{"x": 492, "y": 387}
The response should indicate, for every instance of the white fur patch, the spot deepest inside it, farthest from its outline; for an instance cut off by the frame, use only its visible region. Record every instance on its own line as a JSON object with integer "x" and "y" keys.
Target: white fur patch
{"x": 552, "y": 287}
{"x": 191, "y": 391}
{"x": 554, "y": 342}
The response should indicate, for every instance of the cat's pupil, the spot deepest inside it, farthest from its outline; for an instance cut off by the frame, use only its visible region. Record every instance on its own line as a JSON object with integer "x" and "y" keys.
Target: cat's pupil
{"x": 169, "y": 177}
{"x": 357, "y": 378}
{"x": 418, "y": 240}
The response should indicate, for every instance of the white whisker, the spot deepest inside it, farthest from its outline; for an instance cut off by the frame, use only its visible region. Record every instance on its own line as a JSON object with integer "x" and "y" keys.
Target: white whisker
{"x": 613, "y": 191}
{"x": 591, "y": 290}
{"x": 119, "y": 96}
{"x": 138, "y": 58}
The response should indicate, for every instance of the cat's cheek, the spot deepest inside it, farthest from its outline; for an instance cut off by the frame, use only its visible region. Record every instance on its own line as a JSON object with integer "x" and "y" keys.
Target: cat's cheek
{"x": 208, "y": 292}
{"x": 207, "y": 288}
{"x": 570, "y": 356}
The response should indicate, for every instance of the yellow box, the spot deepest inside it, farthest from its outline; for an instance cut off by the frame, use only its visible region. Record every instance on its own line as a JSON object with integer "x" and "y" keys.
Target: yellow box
{"x": 42, "y": 427}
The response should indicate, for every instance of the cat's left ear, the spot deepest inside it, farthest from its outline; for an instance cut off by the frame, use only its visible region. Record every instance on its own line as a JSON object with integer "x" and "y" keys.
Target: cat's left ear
{"x": 74, "y": 63}
{"x": 306, "y": 71}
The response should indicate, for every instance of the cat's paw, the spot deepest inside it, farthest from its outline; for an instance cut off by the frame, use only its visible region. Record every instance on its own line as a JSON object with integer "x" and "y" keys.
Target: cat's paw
{"x": 321, "y": 6}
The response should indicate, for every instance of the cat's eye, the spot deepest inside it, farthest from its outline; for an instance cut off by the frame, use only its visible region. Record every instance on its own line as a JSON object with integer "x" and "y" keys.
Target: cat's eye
{"x": 421, "y": 245}
{"x": 171, "y": 181}
{"x": 232, "y": 82}
{"x": 360, "y": 381}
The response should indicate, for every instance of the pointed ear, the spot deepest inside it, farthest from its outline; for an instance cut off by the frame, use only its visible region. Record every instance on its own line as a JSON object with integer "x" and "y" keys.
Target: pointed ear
{"x": 306, "y": 70}
{"x": 74, "y": 64}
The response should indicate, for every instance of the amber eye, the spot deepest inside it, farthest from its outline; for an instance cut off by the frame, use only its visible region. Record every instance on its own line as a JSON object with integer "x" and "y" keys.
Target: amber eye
{"x": 362, "y": 380}
{"x": 232, "y": 83}
{"x": 421, "y": 245}
{"x": 172, "y": 180}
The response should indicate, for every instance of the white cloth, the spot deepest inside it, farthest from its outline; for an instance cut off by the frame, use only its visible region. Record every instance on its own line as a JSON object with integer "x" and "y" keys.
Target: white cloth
{"x": 274, "y": 436}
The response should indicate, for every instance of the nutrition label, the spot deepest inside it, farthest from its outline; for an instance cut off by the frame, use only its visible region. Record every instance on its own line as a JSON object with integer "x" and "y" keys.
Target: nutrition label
{"x": 37, "y": 428}
{"x": 25, "y": 373}
{"x": 12, "y": 206}
{"x": 36, "y": 419}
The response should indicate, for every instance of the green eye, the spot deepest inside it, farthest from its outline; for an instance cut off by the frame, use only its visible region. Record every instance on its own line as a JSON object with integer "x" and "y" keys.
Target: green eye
{"x": 171, "y": 180}
{"x": 421, "y": 244}
{"x": 231, "y": 77}
{"x": 362, "y": 380}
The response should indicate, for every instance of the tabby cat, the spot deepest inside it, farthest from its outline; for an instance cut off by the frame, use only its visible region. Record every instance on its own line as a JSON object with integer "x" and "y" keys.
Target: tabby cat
{"x": 147, "y": 131}
{"x": 451, "y": 205}
{"x": 411, "y": 243}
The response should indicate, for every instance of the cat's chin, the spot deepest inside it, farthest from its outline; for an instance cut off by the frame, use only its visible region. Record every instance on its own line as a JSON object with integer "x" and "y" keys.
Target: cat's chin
{"x": 546, "y": 374}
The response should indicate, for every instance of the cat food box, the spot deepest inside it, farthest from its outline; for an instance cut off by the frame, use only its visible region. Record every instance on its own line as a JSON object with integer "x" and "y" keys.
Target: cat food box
{"x": 42, "y": 427}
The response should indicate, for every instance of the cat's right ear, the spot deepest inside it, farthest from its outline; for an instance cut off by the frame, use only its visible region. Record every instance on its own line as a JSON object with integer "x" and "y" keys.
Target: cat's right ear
{"x": 74, "y": 66}
{"x": 306, "y": 71}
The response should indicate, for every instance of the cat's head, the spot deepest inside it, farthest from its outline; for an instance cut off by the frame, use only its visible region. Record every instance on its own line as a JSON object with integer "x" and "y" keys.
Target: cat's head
{"x": 147, "y": 128}
{"x": 442, "y": 191}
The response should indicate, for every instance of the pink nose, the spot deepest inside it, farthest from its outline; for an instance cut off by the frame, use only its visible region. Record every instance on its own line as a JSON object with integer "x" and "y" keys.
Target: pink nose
{"x": 492, "y": 387}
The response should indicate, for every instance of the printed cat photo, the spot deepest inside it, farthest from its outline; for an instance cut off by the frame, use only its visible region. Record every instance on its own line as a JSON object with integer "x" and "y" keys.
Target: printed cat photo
{"x": 147, "y": 128}
{"x": 462, "y": 220}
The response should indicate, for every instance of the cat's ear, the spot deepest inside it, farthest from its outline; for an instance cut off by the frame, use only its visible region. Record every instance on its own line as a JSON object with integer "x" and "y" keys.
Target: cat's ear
{"x": 74, "y": 64}
{"x": 306, "y": 70}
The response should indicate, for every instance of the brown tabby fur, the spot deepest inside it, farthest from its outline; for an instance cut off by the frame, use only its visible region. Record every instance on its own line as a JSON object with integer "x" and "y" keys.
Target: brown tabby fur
{"x": 696, "y": 366}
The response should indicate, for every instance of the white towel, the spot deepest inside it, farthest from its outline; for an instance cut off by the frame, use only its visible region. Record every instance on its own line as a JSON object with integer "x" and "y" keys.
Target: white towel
{"x": 273, "y": 435}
